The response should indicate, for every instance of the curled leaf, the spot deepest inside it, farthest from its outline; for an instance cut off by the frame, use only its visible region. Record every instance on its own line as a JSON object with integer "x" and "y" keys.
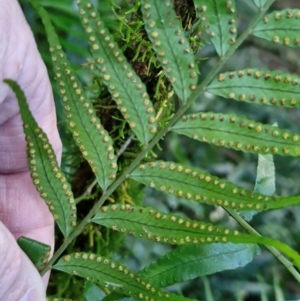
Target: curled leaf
{"x": 37, "y": 252}
{"x": 265, "y": 175}
{"x": 265, "y": 181}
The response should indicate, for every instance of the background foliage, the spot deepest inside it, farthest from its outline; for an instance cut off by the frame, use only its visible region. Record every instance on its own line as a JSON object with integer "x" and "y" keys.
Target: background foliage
{"x": 264, "y": 278}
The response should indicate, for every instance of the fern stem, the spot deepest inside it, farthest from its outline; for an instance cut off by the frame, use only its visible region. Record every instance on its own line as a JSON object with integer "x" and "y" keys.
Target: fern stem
{"x": 162, "y": 132}
{"x": 288, "y": 264}
{"x": 125, "y": 145}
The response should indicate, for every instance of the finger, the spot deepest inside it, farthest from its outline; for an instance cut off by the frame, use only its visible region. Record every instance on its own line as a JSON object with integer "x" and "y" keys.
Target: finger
{"x": 21, "y": 61}
{"x": 21, "y": 209}
{"x": 19, "y": 279}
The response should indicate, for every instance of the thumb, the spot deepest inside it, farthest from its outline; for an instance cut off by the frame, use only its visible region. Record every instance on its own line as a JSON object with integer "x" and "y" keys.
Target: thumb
{"x": 19, "y": 279}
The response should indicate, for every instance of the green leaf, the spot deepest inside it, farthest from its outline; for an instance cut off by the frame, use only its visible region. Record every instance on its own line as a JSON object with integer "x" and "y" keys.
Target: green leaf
{"x": 37, "y": 252}
{"x": 219, "y": 20}
{"x": 112, "y": 275}
{"x": 281, "y": 27}
{"x": 90, "y": 136}
{"x": 260, "y": 3}
{"x": 63, "y": 17}
{"x": 284, "y": 202}
{"x": 149, "y": 223}
{"x": 61, "y": 23}
{"x": 75, "y": 47}
{"x": 47, "y": 176}
{"x": 265, "y": 87}
{"x": 171, "y": 46}
{"x": 146, "y": 222}
{"x": 126, "y": 88}
{"x": 265, "y": 181}
{"x": 191, "y": 261}
{"x": 113, "y": 297}
{"x": 62, "y": 7}
{"x": 239, "y": 133}
{"x": 92, "y": 292}
{"x": 197, "y": 185}
{"x": 194, "y": 184}
{"x": 67, "y": 22}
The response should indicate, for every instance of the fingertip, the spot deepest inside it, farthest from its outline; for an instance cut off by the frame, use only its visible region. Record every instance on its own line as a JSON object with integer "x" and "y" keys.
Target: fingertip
{"x": 19, "y": 279}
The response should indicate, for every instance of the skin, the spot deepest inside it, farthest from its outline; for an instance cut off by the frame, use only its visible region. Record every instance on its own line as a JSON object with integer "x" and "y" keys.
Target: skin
{"x": 22, "y": 211}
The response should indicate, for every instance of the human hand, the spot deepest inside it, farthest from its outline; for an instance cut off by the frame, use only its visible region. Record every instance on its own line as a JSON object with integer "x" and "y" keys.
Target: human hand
{"x": 22, "y": 211}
